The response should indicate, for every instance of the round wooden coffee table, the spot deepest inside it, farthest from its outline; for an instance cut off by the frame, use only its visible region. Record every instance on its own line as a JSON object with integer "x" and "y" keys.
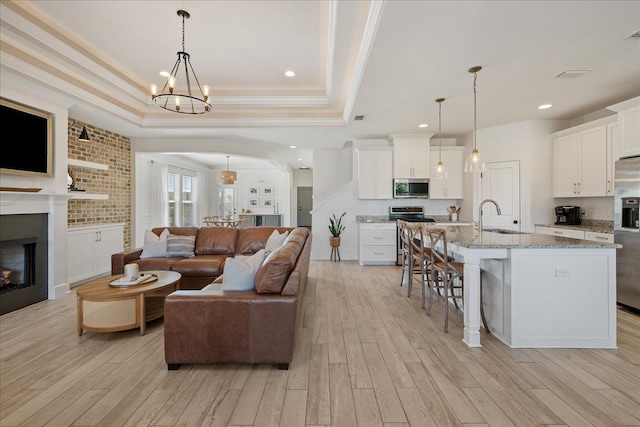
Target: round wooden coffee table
{"x": 105, "y": 308}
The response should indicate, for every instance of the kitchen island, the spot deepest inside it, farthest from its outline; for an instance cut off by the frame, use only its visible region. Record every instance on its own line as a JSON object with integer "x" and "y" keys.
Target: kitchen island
{"x": 538, "y": 290}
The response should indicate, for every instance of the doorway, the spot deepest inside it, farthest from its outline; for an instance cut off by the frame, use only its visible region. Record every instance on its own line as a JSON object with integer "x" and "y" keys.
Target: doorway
{"x": 501, "y": 182}
{"x": 305, "y": 204}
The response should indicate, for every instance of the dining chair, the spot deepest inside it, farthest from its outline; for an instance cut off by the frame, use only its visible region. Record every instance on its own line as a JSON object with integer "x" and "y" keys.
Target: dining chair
{"x": 212, "y": 221}
{"x": 447, "y": 275}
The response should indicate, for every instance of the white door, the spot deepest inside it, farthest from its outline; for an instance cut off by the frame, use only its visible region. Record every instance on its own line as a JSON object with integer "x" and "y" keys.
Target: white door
{"x": 501, "y": 182}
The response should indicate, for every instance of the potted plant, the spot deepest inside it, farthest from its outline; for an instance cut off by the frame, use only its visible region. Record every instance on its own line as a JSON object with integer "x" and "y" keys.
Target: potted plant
{"x": 336, "y": 228}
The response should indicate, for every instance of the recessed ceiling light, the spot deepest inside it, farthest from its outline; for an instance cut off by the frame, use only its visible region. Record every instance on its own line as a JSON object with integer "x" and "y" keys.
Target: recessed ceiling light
{"x": 164, "y": 73}
{"x": 289, "y": 73}
{"x": 299, "y": 160}
{"x": 423, "y": 125}
{"x": 292, "y": 146}
{"x": 544, "y": 106}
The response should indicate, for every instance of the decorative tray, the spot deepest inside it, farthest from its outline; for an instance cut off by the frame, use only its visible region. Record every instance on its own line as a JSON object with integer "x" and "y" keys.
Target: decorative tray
{"x": 126, "y": 281}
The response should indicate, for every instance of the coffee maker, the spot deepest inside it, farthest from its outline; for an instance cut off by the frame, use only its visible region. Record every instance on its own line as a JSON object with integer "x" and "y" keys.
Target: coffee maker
{"x": 568, "y": 215}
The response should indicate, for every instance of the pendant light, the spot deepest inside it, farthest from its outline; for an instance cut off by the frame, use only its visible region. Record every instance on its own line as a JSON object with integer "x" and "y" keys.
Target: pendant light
{"x": 228, "y": 177}
{"x": 474, "y": 163}
{"x": 196, "y": 99}
{"x": 441, "y": 172}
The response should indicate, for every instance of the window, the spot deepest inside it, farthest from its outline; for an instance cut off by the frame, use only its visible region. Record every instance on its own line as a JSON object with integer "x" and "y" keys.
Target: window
{"x": 181, "y": 197}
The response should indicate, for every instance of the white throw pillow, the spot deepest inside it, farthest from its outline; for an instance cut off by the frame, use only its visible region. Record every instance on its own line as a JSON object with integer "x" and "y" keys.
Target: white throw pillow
{"x": 241, "y": 275}
{"x": 275, "y": 240}
{"x": 155, "y": 246}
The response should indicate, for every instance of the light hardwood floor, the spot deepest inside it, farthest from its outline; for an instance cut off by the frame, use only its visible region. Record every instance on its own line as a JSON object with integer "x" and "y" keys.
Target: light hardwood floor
{"x": 366, "y": 355}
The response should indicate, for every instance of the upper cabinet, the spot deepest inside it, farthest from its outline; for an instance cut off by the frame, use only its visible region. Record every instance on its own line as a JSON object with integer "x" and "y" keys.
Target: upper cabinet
{"x": 375, "y": 176}
{"x": 629, "y": 126}
{"x": 411, "y": 156}
{"x": 449, "y": 186}
{"x": 613, "y": 154}
{"x": 581, "y": 160}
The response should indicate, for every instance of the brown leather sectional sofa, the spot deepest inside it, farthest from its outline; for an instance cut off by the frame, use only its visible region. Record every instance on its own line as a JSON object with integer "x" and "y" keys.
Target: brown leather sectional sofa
{"x": 215, "y": 326}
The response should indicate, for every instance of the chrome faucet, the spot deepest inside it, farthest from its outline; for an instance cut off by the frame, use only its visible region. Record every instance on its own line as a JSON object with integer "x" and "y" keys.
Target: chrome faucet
{"x": 480, "y": 211}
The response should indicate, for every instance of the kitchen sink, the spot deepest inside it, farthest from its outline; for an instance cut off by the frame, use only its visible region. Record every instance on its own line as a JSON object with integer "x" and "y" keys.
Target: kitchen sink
{"x": 503, "y": 231}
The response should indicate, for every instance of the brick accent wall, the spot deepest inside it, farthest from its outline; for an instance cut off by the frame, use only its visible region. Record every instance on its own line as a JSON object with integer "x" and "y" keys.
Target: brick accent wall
{"x": 114, "y": 151}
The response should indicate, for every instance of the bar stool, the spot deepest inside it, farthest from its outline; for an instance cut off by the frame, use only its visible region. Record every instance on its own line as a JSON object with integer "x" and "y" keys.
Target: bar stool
{"x": 422, "y": 255}
{"x": 447, "y": 275}
{"x": 410, "y": 257}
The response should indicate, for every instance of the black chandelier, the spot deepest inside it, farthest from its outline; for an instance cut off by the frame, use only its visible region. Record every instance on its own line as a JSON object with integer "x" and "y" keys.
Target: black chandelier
{"x": 196, "y": 100}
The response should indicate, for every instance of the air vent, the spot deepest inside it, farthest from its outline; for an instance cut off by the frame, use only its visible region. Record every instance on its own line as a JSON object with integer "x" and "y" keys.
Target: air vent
{"x": 635, "y": 35}
{"x": 358, "y": 117}
{"x": 572, "y": 74}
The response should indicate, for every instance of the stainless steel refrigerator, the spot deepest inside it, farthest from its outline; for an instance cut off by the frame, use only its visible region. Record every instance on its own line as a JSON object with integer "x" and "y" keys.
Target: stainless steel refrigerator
{"x": 627, "y": 231}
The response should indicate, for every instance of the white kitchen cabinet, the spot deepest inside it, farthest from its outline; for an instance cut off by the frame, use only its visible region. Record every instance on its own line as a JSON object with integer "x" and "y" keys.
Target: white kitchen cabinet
{"x": 89, "y": 251}
{"x": 575, "y": 234}
{"x": 629, "y": 122}
{"x": 598, "y": 237}
{"x": 613, "y": 147}
{"x": 560, "y": 232}
{"x": 411, "y": 157}
{"x": 375, "y": 175}
{"x": 377, "y": 243}
{"x": 450, "y": 187}
{"x": 580, "y": 163}
{"x": 630, "y": 126}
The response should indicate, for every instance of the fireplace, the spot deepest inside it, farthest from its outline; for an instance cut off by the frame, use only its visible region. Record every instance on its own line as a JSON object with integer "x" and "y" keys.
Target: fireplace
{"x": 23, "y": 260}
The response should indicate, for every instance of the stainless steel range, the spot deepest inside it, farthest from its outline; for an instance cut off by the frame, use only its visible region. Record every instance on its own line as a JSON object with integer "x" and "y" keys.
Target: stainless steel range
{"x": 409, "y": 214}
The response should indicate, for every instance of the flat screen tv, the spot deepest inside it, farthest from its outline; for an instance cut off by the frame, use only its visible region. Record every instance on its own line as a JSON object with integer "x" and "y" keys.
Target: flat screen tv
{"x": 33, "y": 153}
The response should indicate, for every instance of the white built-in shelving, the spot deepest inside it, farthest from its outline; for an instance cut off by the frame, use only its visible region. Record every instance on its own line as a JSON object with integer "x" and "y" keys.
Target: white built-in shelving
{"x": 89, "y": 165}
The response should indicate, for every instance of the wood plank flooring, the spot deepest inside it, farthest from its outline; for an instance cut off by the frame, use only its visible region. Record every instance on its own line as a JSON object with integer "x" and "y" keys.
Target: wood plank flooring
{"x": 365, "y": 355}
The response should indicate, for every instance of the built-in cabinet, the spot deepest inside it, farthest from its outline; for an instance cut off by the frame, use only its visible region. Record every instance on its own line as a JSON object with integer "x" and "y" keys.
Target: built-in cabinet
{"x": 411, "y": 156}
{"x": 582, "y": 160}
{"x": 89, "y": 251}
{"x": 629, "y": 122}
{"x": 377, "y": 243}
{"x": 375, "y": 174}
{"x": 450, "y": 185}
{"x": 575, "y": 234}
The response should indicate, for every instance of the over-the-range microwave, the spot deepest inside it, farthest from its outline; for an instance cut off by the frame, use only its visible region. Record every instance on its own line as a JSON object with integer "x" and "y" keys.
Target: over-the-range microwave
{"x": 404, "y": 188}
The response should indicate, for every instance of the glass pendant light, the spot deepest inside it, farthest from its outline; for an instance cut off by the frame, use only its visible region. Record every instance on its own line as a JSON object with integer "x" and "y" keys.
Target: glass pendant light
{"x": 475, "y": 163}
{"x": 441, "y": 171}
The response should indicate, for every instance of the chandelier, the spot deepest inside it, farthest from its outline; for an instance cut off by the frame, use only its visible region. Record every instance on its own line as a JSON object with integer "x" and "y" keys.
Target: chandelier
{"x": 196, "y": 99}
{"x": 474, "y": 163}
{"x": 228, "y": 177}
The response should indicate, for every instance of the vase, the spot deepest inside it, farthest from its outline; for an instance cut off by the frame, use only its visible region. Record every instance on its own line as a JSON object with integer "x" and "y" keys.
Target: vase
{"x": 334, "y": 241}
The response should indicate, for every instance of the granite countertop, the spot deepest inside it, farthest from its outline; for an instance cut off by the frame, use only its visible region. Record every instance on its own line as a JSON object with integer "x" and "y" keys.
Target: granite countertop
{"x": 439, "y": 219}
{"x": 596, "y": 226}
{"x": 469, "y": 237}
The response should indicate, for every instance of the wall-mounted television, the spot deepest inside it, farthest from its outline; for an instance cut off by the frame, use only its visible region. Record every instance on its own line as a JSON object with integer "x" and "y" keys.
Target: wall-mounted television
{"x": 33, "y": 152}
